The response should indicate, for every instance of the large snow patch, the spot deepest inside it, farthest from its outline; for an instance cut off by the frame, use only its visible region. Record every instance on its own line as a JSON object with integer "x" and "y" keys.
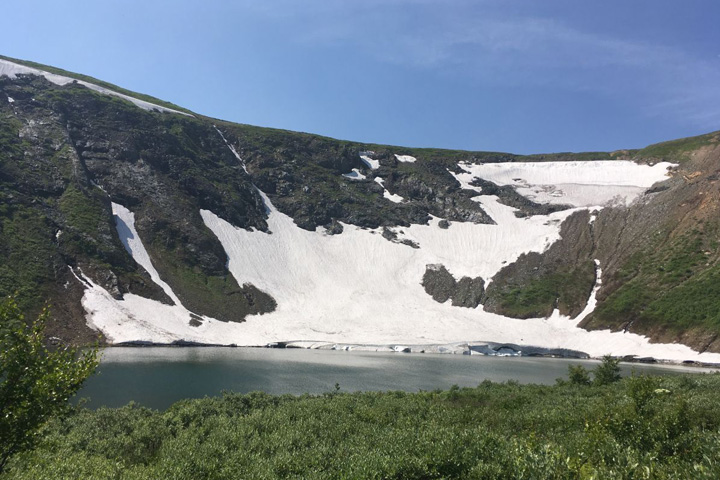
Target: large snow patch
{"x": 582, "y": 184}
{"x": 359, "y": 288}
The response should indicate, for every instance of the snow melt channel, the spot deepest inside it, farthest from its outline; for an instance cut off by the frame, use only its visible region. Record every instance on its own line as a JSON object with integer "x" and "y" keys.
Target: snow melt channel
{"x": 232, "y": 149}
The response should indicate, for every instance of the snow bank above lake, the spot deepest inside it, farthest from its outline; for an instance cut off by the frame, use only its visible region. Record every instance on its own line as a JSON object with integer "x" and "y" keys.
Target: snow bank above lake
{"x": 12, "y": 69}
{"x": 374, "y": 297}
{"x": 358, "y": 288}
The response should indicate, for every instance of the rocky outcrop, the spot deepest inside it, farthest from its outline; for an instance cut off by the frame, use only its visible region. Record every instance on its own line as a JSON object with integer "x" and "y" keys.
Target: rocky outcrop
{"x": 561, "y": 277}
{"x": 303, "y": 175}
{"x": 70, "y": 152}
{"x": 662, "y": 260}
{"x": 507, "y": 195}
{"x": 442, "y": 286}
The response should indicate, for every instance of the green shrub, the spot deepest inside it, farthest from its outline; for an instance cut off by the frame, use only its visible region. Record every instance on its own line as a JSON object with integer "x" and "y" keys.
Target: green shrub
{"x": 578, "y": 375}
{"x": 35, "y": 382}
{"x": 607, "y": 372}
{"x": 639, "y": 427}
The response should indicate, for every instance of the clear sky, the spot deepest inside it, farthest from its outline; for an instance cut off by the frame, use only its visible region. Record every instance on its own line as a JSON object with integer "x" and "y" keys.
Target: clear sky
{"x": 524, "y": 76}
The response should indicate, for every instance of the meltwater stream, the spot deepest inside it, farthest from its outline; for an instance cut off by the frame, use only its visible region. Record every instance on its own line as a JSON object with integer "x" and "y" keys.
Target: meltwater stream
{"x": 156, "y": 377}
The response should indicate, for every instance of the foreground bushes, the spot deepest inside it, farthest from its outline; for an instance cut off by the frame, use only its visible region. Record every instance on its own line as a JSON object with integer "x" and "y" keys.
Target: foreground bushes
{"x": 639, "y": 427}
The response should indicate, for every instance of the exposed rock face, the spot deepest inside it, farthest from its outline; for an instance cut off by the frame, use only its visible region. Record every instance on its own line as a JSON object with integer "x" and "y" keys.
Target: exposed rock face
{"x": 70, "y": 151}
{"x": 562, "y": 277}
{"x": 439, "y": 283}
{"x": 442, "y": 286}
{"x": 303, "y": 175}
{"x": 661, "y": 256}
{"x": 468, "y": 292}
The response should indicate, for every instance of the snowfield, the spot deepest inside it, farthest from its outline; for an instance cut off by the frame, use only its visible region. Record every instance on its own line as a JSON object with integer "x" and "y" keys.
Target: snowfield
{"x": 135, "y": 318}
{"x": 11, "y": 69}
{"x": 582, "y": 184}
{"x": 358, "y": 290}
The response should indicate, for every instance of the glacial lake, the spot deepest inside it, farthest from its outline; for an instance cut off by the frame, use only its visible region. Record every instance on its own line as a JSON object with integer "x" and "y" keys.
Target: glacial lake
{"x": 156, "y": 377}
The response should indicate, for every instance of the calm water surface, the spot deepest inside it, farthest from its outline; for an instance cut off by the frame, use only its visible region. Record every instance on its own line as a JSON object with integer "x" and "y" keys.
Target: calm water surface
{"x": 156, "y": 377}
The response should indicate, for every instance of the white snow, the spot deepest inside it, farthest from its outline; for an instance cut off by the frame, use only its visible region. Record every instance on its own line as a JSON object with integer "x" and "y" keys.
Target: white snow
{"x": 359, "y": 291}
{"x": 12, "y": 69}
{"x": 405, "y": 158}
{"x": 367, "y": 160}
{"x": 393, "y": 197}
{"x": 390, "y": 196}
{"x": 10, "y": 99}
{"x": 374, "y": 297}
{"x": 136, "y": 318}
{"x": 232, "y": 149}
{"x": 355, "y": 174}
{"x": 125, "y": 225}
{"x": 581, "y": 184}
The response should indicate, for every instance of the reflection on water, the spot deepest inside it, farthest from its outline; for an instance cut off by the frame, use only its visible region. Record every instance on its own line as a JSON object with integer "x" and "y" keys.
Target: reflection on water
{"x": 156, "y": 377}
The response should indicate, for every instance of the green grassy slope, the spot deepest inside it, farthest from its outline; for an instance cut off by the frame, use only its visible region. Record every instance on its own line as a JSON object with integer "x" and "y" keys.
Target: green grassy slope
{"x": 677, "y": 151}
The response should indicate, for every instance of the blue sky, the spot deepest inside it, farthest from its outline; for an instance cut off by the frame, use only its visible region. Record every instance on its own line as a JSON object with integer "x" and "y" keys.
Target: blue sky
{"x": 523, "y": 76}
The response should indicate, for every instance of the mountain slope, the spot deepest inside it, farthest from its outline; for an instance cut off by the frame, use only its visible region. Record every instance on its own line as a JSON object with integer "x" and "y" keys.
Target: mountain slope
{"x": 154, "y": 224}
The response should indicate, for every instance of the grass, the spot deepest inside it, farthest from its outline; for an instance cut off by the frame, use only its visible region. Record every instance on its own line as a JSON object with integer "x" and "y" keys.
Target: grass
{"x": 673, "y": 285}
{"x": 678, "y": 151}
{"x": 83, "y": 211}
{"x": 10, "y": 143}
{"x": 640, "y": 427}
{"x": 28, "y": 254}
{"x": 694, "y": 303}
{"x": 217, "y": 296}
{"x": 567, "y": 290}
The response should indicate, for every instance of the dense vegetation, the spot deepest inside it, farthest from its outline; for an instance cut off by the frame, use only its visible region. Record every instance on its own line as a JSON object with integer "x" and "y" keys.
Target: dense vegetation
{"x": 639, "y": 427}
